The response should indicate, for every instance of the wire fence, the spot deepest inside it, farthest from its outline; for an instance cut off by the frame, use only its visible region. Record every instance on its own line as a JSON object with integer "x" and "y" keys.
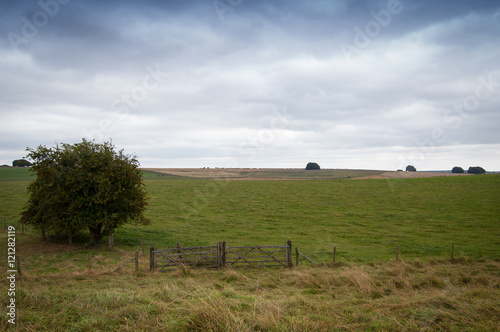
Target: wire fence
{"x": 452, "y": 251}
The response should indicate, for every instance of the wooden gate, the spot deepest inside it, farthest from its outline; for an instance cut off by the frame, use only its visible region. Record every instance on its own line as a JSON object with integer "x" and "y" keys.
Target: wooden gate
{"x": 192, "y": 257}
{"x": 220, "y": 255}
{"x": 256, "y": 256}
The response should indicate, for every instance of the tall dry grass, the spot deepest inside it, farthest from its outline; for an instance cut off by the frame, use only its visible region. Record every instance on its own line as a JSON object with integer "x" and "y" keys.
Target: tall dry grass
{"x": 391, "y": 296}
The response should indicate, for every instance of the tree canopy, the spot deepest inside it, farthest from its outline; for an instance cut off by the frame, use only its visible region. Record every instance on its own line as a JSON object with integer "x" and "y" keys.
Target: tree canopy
{"x": 85, "y": 186}
{"x": 411, "y": 168}
{"x": 476, "y": 170}
{"x": 21, "y": 163}
{"x": 457, "y": 169}
{"x": 312, "y": 166}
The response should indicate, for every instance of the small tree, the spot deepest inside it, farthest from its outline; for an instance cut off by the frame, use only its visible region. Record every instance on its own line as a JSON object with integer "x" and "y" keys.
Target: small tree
{"x": 84, "y": 186}
{"x": 410, "y": 168}
{"x": 476, "y": 170}
{"x": 312, "y": 166}
{"x": 457, "y": 169}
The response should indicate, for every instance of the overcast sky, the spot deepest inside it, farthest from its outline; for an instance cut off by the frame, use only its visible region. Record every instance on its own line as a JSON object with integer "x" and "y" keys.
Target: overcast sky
{"x": 256, "y": 83}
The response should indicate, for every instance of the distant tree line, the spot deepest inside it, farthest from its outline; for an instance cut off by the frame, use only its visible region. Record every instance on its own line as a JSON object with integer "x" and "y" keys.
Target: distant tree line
{"x": 411, "y": 168}
{"x": 456, "y": 169}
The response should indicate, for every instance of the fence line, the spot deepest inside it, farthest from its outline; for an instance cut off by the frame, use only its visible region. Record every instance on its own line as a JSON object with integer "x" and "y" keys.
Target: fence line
{"x": 297, "y": 253}
{"x": 133, "y": 259}
{"x": 219, "y": 256}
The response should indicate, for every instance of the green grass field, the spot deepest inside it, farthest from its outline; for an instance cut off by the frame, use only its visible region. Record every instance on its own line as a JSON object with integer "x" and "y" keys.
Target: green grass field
{"x": 364, "y": 219}
{"x": 14, "y": 173}
{"x": 365, "y": 290}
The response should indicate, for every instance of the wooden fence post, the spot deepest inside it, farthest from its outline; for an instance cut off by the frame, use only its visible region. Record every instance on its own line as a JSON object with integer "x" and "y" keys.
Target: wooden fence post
{"x": 296, "y": 256}
{"x": 178, "y": 250}
{"x": 452, "y": 252}
{"x": 111, "y": 242}
{"x": 136, "y": 260}
{"x": 397, "y": 254}
{"x": 334, "y": 253}
{"x": 90, "y": 261}
{"x": 289, "y": 253}
{"x": 151, "y": 259}
{"x": 223, "y": 253}
{"x": 18, "y": 260}
{"x": 219, "y": 254}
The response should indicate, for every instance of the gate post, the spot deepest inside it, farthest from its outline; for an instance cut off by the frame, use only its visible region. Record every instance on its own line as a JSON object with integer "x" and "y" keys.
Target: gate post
{"x": 136, "y": 260}
{"x": 289, "y": 253}
{"x": 178, "y": 246}
{"x": 224, "y": 254}
{"x": 152, "y": 261}
{"x": 219, "y": 255}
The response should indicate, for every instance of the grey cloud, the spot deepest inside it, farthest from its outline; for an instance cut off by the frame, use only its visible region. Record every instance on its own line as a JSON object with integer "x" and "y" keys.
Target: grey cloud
{"x": 224, "y": 80}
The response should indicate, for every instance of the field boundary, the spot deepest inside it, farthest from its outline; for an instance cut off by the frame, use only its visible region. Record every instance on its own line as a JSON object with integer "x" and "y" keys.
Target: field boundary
{"x": 220, "y": 255}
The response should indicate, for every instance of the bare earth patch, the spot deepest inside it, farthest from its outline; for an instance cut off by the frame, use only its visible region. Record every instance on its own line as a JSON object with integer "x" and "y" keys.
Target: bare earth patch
{"x": 29, "y": 245}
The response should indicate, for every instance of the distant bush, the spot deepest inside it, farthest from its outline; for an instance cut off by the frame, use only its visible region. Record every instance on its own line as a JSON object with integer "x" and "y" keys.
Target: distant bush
{"x": 476, "y": 170}
{"x": 457, "y": 169}
{"x": 21, "y": 163}
{"x": 411, "y": 168}
{"x": 312, "y": 166}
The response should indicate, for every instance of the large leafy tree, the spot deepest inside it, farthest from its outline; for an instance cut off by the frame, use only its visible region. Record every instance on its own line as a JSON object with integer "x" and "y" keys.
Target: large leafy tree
{"x": 84, "y": 186}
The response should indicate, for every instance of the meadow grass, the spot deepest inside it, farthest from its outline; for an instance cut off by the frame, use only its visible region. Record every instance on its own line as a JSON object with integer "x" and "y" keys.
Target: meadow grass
{"x": 390, "y": 296}
{"x": 365, "y": 290}
{"x": 15, "y": 173}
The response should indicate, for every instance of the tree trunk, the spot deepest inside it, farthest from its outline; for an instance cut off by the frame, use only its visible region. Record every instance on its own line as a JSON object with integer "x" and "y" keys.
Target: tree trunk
{"x": 44, "y": 237}
{"x": 70, "y": 237}
{"x": 95, "y": 235}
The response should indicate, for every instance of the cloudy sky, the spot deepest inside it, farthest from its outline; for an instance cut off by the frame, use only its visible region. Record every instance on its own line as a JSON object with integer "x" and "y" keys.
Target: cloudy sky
{"x": 256, "y": 83}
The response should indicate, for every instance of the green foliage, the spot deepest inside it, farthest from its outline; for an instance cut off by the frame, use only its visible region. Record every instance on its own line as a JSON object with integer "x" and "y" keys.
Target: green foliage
{"x": 84, "y": 186}
{"x": 457, "y": 169}
{"x": 411, "y": 168}
{"x": 476, "y": 170}
{"x": 312, "y": 166}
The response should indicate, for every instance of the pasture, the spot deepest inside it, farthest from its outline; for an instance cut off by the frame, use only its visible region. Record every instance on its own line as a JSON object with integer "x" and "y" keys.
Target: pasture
{"x": 364, "y": 219}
